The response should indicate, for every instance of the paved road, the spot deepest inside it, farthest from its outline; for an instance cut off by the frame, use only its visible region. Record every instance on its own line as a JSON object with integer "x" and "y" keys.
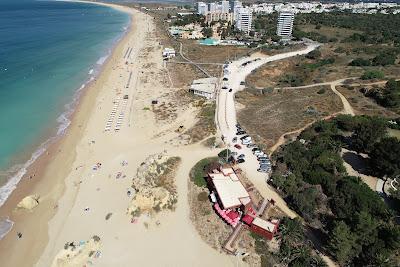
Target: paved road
{"x": 226, "y": 117}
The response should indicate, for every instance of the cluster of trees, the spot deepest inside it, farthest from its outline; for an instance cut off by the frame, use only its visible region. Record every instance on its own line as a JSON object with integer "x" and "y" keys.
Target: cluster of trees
{"x": 299, "y": 34}
{"x": 375, "y": 28}
{"x": 311, "y": 175}
{"x": 389, "y": 96}
{"x": 382, "y": 59}
{"x": 372, "y": 74}
{"x": 265, "y": 25}
{"x": 188, "y": 19}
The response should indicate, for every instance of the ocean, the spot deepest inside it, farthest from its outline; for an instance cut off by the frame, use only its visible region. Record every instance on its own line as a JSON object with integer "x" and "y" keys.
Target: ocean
{"x": 48, "y": 51}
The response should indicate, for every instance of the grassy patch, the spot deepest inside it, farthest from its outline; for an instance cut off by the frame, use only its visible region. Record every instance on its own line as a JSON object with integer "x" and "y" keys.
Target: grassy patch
{"x": 198, "y": 173}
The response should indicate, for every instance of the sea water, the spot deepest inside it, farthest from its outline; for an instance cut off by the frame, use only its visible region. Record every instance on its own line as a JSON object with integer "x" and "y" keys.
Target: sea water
{"x": 48, "y": 51}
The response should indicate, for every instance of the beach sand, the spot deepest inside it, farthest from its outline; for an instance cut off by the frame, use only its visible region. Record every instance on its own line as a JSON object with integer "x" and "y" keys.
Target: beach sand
{"x": 67, "y": 183}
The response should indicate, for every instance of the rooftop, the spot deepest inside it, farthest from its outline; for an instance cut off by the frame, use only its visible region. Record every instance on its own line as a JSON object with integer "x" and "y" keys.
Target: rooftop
{"x": 230, "y": 190}
{"x": 269, "y": 226}
{"x": 208, "y": 88}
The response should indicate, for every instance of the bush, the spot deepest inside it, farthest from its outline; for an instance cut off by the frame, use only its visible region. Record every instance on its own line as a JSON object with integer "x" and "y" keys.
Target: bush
{"x": 198, "y": 172}
{"x": 321, "y": 91}
{"x": 202, "y": 196}
{"x": 372, "y": 74}
{"x": 360, "y": 62}
{"x": 314, "y": 54}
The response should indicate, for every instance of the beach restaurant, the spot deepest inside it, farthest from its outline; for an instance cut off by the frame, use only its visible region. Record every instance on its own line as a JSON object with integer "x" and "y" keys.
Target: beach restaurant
{"x": 233, "y": 204}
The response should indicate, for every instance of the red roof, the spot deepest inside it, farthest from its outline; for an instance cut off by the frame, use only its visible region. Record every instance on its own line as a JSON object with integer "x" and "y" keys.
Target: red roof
{"x": 247, "y": 219}
{"x": 232, "y": 215}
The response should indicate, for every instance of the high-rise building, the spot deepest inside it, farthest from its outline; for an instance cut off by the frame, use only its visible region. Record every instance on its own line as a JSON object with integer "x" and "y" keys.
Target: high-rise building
{"x": 285, "y": 25}
{"x": 225, "y": 6}
{"x": 243, "y": 19}
{"x": 212, "y": 7}
{"x": 202, "y": 8}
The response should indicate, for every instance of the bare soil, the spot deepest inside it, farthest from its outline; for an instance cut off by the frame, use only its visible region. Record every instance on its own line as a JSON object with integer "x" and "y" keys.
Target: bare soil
{"x": 267, "y": 117}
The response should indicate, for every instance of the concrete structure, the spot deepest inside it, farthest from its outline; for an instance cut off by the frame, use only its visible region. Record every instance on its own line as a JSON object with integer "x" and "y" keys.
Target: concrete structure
{"x": 168, "y": 53}
{"x": 202, "y": 8}
{"x": 235, "y": 6}
{"x": 224, "y": 6}
{"x": 230, "y": 190}
{"x": 204, "y": 87}
{"x": 212, "y": 7}
{"x": 217, "y": 16}
{"x": 243, "y": 19}
{"x": 285, "y": 25}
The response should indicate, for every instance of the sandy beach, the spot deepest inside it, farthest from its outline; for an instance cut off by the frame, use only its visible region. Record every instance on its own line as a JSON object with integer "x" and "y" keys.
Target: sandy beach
{"x": 75, "y": 196}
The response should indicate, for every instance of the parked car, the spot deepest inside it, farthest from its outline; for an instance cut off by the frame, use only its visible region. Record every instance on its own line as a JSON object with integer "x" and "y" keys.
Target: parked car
{"x": 230, "y": 90}
{"x": 224, "y": 87}
{"x": 255, "y": 149}
{"x": 242, "y": 83}
{"x": 240, "y": 133}
{"x": 225, "y": 79}
{"x": 238, "y": 125}
{"x": 237, "y": 146}
{"x": 234, "y": 139}
{"x": 244, "y": 137}
{"x": 251, "y": 145}
{"x": 240, "y": 160}
{"x": 262, "y": 158}
{"x": 246, "y": 142}
{"x": 241, "y": 156}
{"x": 262, "y": 170}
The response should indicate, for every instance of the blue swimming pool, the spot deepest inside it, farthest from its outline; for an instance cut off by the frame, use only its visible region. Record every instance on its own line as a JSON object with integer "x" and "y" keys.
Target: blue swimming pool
{"x": 209, "y": 41}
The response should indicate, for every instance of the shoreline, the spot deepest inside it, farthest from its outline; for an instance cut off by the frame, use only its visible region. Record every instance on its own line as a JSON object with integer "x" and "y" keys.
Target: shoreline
{"x": 22, "y": 170}
{"x": 60, "y": 149}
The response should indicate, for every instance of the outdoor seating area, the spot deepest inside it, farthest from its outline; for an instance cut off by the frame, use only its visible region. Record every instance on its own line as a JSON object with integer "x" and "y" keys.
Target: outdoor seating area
{"x": 232, "y": 202}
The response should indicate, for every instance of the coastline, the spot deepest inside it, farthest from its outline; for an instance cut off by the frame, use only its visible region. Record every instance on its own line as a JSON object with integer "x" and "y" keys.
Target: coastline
{"x": 27, "y": 167}
{"x": 77, "y": 199}
{"x": 57, "y": 149}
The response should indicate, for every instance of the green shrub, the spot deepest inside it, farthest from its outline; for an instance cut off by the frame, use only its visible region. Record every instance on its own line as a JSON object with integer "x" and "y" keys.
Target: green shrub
{"x": 373, "y": 74}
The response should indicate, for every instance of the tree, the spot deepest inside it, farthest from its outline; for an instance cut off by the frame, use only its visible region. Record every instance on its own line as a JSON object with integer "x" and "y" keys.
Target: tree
{"x": 372, "y": 74}
{"x": 383, "y": 59}
{"x": 314, "y": 54}
{"x": 368, "y": 132}
{"x": 360, "y": 62}
{"x": 385, "y": 157}
{"x": 341, "y": 242}
{"x": 207, "y": 32}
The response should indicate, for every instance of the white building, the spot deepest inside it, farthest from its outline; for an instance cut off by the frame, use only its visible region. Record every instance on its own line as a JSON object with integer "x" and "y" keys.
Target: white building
{"x": 204, "y": 87}
{"x": 202, "y": 8}
{"x": 244, "y": 19}
{"x": 285, "y": 24}
{"x": 225, "y": 6}
{"x": 235, "y": 8}
{"x": 168, "y": 53}
{"x": 212, "y": 7}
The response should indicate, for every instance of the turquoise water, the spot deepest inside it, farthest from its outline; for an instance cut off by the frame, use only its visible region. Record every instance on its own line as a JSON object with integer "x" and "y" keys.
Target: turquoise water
{"x": 209, "y": 41}
{"x": 48, "y": 50}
